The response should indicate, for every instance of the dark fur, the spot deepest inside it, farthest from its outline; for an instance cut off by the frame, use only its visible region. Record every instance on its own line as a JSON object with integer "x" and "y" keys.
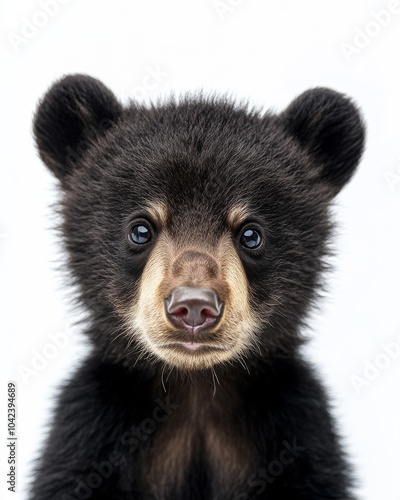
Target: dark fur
{"x": 201, "y": 155}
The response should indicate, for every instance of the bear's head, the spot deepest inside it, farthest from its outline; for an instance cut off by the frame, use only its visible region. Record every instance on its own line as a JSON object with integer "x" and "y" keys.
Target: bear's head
{"x": 196, "y": 229}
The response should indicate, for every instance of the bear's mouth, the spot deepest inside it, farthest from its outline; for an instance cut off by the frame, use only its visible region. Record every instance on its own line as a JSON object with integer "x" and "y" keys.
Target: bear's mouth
{"x": 194, "y": 347}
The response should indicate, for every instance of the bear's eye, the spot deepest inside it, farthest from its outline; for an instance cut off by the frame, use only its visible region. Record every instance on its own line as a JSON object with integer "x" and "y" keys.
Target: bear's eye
{"x": 251, "y": 238}
{"x": 140, "y": 233}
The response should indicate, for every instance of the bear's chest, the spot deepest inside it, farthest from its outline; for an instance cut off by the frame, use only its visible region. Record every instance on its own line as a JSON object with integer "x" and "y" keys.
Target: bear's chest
{"x": 203, "y": 441}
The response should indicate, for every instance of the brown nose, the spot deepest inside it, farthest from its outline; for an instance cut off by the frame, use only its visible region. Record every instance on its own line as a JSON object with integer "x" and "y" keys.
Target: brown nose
{"x": 193, "y": 308}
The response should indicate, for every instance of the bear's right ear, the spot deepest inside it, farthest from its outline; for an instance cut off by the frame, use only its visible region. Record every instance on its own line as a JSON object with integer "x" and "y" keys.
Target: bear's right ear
{"x": 75, "y": 112}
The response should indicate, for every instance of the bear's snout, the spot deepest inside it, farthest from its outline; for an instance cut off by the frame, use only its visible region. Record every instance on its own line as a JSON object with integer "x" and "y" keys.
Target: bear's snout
{"x": 193, "y": 308}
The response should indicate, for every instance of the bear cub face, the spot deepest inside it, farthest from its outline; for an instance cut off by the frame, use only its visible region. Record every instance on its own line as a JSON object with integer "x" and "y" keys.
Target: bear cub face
{"x": 196, "y": 229}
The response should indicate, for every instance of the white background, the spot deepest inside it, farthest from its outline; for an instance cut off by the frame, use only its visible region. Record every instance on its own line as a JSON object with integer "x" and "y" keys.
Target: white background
{"x": 268, "y": 52}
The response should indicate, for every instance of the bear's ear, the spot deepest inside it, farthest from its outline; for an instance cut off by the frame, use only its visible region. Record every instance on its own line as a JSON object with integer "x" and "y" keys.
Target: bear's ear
{"x": 75, "y": 112}
{"x": 330, "y": 129}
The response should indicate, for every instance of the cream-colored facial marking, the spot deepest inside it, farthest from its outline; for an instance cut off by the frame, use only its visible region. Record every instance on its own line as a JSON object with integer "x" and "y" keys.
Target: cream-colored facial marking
{"x": 238, "y": 214}
{"x": 158, "y": 212}
{"x": 146, "y": 317}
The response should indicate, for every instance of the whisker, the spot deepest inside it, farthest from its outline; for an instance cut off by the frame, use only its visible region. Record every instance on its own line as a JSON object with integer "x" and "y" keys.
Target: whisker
{"x": 162, "y": 377}
{"x": 215, "y": 387}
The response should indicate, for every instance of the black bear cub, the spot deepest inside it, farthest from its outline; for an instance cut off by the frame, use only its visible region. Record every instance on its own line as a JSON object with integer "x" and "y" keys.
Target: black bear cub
{"x": 196, "y": 232}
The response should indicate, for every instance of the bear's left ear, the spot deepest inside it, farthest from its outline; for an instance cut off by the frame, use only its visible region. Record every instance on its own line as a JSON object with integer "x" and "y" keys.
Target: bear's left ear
{"x": 330, "y": 129}
{"x": 74, "y": 114}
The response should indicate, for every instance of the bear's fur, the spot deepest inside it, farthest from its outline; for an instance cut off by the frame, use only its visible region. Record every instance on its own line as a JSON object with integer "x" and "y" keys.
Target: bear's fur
{"x": 166, "y": 412}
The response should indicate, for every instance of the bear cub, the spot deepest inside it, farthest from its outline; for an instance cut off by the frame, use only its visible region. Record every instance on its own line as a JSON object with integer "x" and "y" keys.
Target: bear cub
{"x": 196, "y": 232}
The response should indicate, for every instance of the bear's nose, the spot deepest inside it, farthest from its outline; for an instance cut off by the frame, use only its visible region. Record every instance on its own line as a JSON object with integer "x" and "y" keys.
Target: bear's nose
{"x": 193, "y": 308}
